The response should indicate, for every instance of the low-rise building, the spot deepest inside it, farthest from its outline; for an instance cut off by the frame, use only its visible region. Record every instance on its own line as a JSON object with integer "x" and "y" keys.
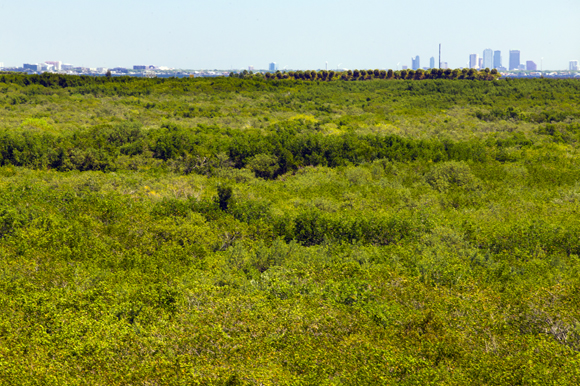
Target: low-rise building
{"x": 531, "y": 66}
{"x": 31, "y": 66}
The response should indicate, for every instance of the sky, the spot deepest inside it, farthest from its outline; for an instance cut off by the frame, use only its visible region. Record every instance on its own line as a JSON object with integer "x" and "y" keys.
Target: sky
{"x": 296, "y": 34}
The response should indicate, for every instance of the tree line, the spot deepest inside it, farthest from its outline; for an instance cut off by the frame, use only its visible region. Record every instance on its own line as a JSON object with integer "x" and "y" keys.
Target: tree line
{"x": 354, "y": 75}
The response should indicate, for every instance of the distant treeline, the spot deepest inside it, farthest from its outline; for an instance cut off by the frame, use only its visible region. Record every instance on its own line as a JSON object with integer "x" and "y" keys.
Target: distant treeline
{"x": 434, "y": 73}
{"x": 67, "y": 81}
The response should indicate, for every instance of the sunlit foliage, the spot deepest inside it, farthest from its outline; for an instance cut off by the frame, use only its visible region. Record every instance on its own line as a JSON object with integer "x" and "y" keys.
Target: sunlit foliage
{"x": 277, "y": 231}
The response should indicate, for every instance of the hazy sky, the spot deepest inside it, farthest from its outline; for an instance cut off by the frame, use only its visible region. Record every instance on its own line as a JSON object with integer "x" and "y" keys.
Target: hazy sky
{"x": 299, "y": 34}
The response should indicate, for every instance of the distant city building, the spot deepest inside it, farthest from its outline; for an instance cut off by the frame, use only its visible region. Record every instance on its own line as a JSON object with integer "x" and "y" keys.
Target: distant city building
{"x": 139, "y": 67}
{"x": 120, "y": 70}
{"x": 531, "y": 66}
{"x": 33, "y": 67}
{"x": 405, "y": 67}
{"x": 272, "y": 67}
{"x": 250, "y": 68}
{"x": 1, "y": 65}
{"x": 56, "y": 65}
{"x": 102, "y": 70}
{"x": 522, "y": 67}
{"x": 432, "y": 62}
{"x": 415, "y": 63}
{"x": 497, "y": 59}
{"x": 573, "y": 65}
{"x": 473, "y": 61}
{"x": 444, "y": 65}
{"x": 514, "y": 60}
{"x": 487, "y": 58}
{"x": 479, "y": 62}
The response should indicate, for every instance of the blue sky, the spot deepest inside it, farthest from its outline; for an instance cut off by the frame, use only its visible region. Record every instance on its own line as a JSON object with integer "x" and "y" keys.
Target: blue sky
{"x": 299, "y": 34}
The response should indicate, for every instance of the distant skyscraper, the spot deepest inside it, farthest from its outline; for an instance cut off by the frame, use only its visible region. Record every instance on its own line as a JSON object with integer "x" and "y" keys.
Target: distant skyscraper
{"x": 479, "y": 62}
{"x": 573, "y": 65}
{"x": 531, "y": 66}
{"x": 444, "y": 65}
{"x": 272, "y": 67}
{"x": 250, "y": 68}
{"x": 432, "y": 62}
{"x": 473, "y": 61}
{"x": 497, "y": 59}
{"x": 514, "y": 60}
{"x": 488, "y": 58}
{"x": 416, "y": 63}
{"x": 1, "y": 65}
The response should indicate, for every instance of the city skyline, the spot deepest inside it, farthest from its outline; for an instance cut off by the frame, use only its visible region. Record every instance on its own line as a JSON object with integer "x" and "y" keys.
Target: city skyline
{"x": 475, "y": 62}
{"x": 490, "y": 59}
{"x": 226, "y": 35}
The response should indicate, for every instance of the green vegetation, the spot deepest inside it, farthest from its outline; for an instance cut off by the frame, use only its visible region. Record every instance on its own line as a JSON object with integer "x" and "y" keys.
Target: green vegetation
{"x": 277, "y": 231}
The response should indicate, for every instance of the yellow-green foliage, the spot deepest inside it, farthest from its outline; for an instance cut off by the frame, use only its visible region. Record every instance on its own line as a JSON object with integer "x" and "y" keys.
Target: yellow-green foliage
{"x": 269, "y": 249}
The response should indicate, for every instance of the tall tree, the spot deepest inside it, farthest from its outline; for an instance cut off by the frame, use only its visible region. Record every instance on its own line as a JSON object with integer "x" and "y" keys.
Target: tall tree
{"x": 419, "y": 74}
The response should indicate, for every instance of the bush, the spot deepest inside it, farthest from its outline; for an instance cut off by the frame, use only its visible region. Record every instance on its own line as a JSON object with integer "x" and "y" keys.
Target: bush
{"x": 450, "y": 175}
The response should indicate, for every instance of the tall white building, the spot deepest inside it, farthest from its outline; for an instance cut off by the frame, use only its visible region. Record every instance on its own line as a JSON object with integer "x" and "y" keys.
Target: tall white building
{"x": 432, "y": 62}
{"x": 573, "y": 65}
{"x": 473, "y": 61}
{"x": 55, "y": 65}
{"x": 488, "y": 58}
{"x": 1, "y": 65}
